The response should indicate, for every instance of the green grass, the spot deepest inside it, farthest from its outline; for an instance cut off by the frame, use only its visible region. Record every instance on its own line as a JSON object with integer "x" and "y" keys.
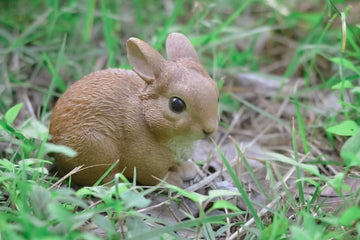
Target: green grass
{"x": 311, "y": 47}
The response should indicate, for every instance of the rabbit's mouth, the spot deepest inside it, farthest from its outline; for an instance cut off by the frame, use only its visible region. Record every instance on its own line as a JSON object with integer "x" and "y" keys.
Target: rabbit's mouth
{"x": 207, "y": 134}
{"x": 209, "y": 131}
{"x": 208, "y": 127}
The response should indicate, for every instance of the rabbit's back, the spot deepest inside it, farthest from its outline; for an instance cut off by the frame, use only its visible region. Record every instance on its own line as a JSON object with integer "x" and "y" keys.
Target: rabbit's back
{"x": 93, "y": 117}
{"x": 99, "y": 100}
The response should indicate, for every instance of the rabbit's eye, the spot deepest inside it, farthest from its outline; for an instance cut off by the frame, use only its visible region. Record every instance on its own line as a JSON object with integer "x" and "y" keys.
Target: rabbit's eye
{"x": 177, "y": 105}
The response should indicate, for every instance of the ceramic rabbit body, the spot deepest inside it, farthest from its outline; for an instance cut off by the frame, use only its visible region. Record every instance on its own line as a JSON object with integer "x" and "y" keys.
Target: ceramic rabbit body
{"x": 148, "y": 118}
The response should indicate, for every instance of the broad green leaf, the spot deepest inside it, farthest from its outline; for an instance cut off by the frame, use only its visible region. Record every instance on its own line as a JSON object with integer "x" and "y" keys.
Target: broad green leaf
{"x": 53, "y": 148}
{"x": 69, "y": 196}
{"x": 338, "y": 183}
{"x": 39, "y": 198}
{"x": 309, "y": 17}
{"x": 104, "y": 223}
{"x": 85, "y": 191}
{"x": 195, "y": 197}
{"x": 275, "y": 229}
{"x": 332, "y": 220}
{"x": 32, "y": 161}
{"x": 309, "y": 230}
{"x": 101, "y": 192}
{"x": 346, "y": 128}
{"x": 12, "y": 113}
{"x": 62, "y": 214}
{"x": 80, "y": 218}
{"x": 9, "y": 166}
{"x": 351, "y": 159}
{"x": 136, "y": 226}
{"x": 281, "y": 158}
{"x": 350, "y": 151}
{"x": 34, "y": 129}
{"x": 220, "y": 83}
{"x": 221, "y": 204}
{"x": 349, "y": 216}
{"x": 34, "y": 165}
{"x": 340, "y": 85}
{"x": 355, "y": 90}
{"x": 208, "y": 231}
{"x": 346, "y": 63}
{"x": 133, "y": 199}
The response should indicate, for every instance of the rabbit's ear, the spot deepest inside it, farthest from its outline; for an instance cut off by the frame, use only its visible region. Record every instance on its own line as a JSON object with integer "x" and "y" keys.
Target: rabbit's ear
{"x": 178, "y": 46}
{"x": 144, "y": 59}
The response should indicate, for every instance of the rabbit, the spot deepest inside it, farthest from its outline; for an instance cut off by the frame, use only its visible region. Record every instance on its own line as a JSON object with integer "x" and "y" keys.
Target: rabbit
{"x": 148, "y": 118}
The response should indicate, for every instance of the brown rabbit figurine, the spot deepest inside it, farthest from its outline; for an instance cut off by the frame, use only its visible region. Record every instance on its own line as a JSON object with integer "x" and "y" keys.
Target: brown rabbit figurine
{"x": 148, "y": 118}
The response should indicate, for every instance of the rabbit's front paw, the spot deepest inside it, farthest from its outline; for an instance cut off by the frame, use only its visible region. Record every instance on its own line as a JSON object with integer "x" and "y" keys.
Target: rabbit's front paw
{"x": 174, "y": 178}
{"x": 187, "y": 170}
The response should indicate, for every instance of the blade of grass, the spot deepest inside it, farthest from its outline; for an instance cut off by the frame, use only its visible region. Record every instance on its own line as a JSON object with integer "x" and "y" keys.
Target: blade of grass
{"x": 315, "y": 197}
{"x": 230, "y": 19}
{"x": 182, "y": 225}
{"x": 298, "y": 171}
{"x": 273, "y": 156}
{"x": 238, "y": 185}
{"x": 139, "y": 14}
{"x": 12, "y": 113}
{"x": 162, "y": 35}
{"x": 271, "y": 177}
{"x": 352, "y": 36}
{"x": 31, "y": 29}
{"x": 342, "y": 90}
{"x": 12, "y": 131}
{"x": 196, "y": 21}
{"x": 316, "y": 48}
{"x": 56, "y": 80}
{"x": 344, "y": 39}
{"x": 296, "y": 60}
{"x": 53, "y": 7}
{"x": 249, "y": 168}
{"x": 253, "y": 107}
{"x": 287, "y": 193}
{"x": 89, "y": 20}
{"x": 106, "y": 173}
{"x": 208, "y": 231}
{"x": 41, "y": 150}
{"x": 110, "y": 39}
{"x": 300, "y": 121}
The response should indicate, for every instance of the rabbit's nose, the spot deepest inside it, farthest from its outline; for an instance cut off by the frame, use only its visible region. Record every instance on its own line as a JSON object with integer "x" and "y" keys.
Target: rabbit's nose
{"x": 210, "y": 127}
{"x": 208, "y": 131}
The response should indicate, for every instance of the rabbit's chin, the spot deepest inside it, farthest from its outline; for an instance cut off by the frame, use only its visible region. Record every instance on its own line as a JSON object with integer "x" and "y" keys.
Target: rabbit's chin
{"x": 183, "y": 148}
